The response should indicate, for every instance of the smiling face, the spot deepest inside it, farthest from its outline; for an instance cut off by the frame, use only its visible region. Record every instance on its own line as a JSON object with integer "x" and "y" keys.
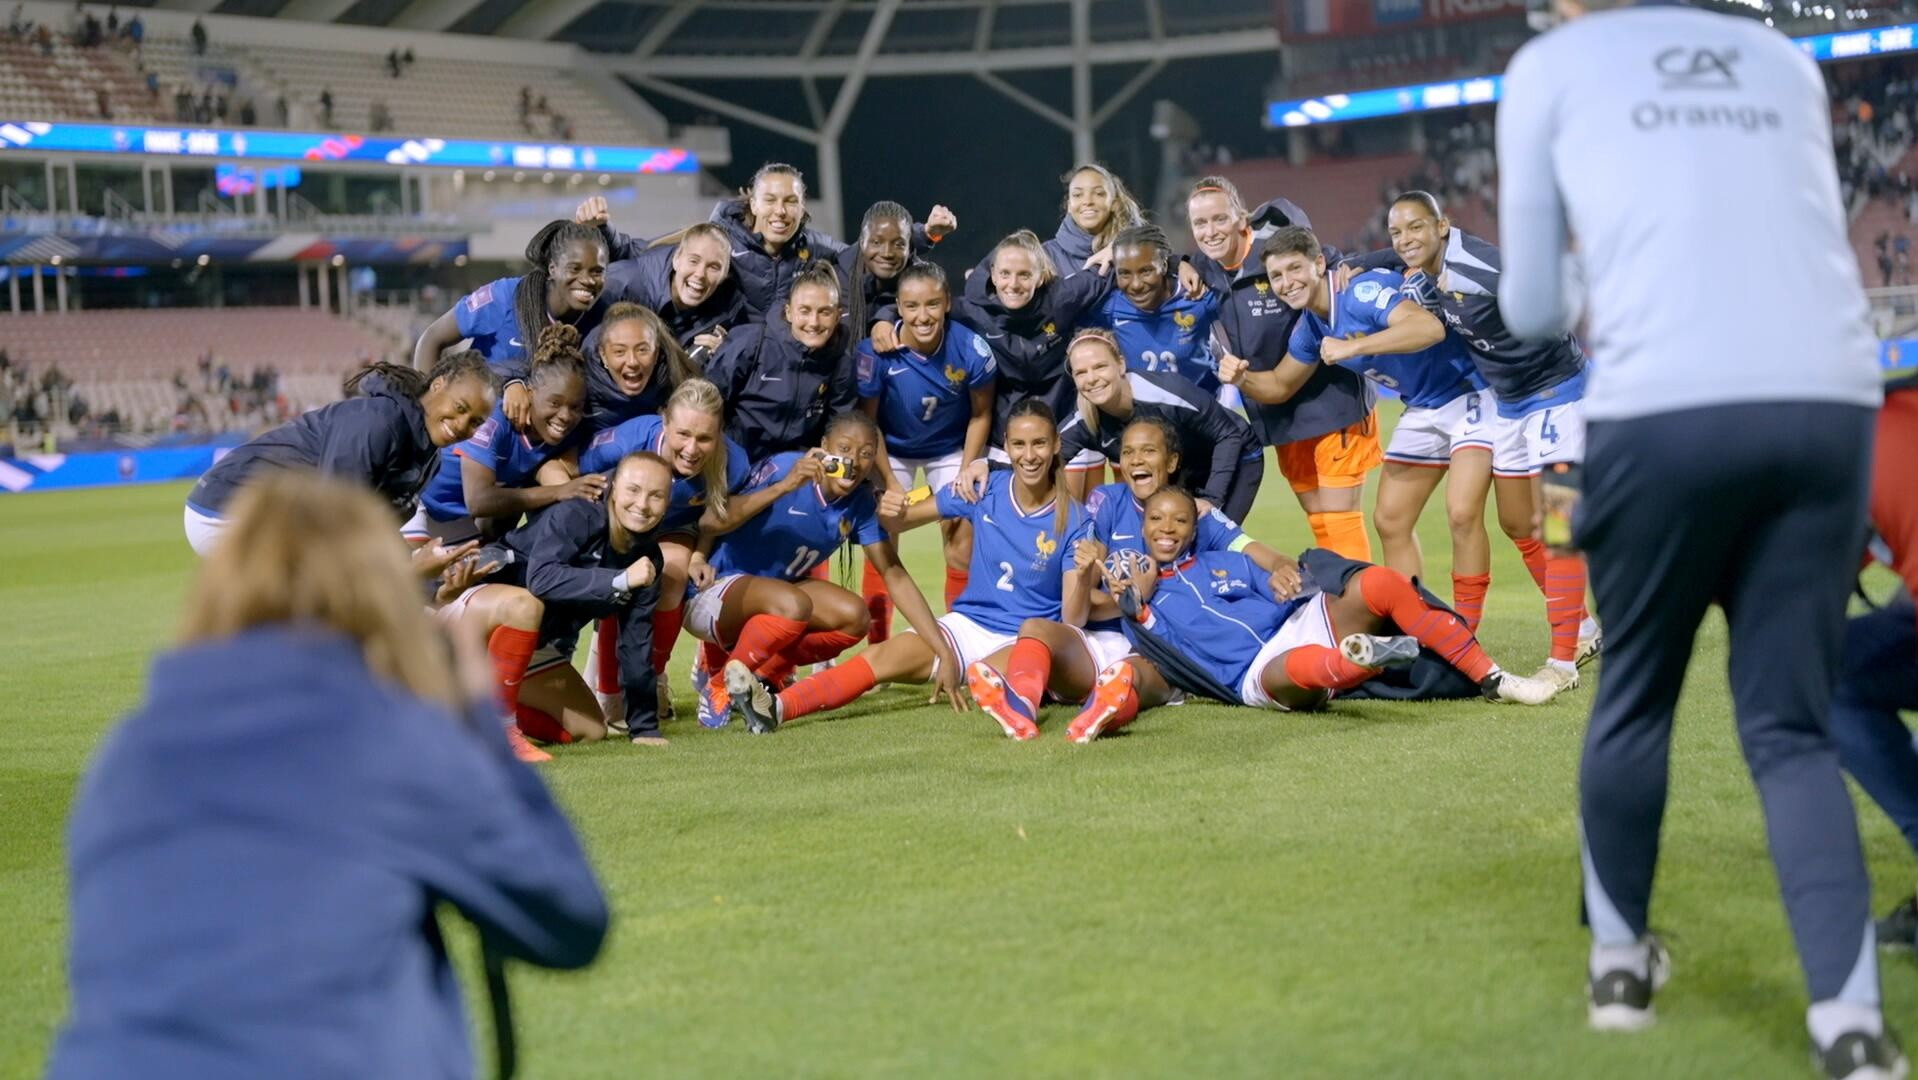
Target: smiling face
{"x": 630, "y": 353}
{"x": 922, "y": 316}
{"x": 886, "y": 246}
{"x": 778, "y": 206}
{"x": 1217, "y": 228}
{"x": 1032, "y": 443}
{"x": 860, "y": 449}
{"x": 1096, "y": 372}
{"x": 1014, "y": 277}
{"x": 699, "y": 266}
{"x": 641, "y": 491}
{"x": 813, "y": 313}
{"x": 1418, "y": 235}
{"x": 689, "y": 437}
{"x": 577, "y": 273}
{"x": 1170, "y": 520}
{"x": 1146, "y": 464}
{"x": 1300, "y": 282}
{"x": 1089, "y": 200}
{"x": 1139, "y": 273}
{"x": 558, "y": 403}
{"x": 455, "y": 408}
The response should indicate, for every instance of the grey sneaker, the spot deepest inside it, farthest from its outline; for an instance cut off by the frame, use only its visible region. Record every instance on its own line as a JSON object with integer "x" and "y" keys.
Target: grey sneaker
{"x": 1622, "y": 1000}
{"x": 1507, "y": 688}
{"x": 1857, "y": 1055}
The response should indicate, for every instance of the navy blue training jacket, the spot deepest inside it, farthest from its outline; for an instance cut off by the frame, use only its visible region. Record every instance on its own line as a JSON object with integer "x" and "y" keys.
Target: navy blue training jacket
{"x": 255, "y": 859}
{"x": 646, "y": 279}
{"x": 780, "y": 394}
{"x": 378, "y": 440}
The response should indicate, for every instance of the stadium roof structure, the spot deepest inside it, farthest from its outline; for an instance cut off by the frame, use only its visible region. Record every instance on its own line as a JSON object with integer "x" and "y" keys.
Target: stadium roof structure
{"x": 655, "y": 45}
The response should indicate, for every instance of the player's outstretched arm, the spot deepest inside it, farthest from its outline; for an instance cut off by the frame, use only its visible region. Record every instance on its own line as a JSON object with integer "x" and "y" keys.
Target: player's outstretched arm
{"x": 912, "y": 604}
{"x": 441, "y": 335}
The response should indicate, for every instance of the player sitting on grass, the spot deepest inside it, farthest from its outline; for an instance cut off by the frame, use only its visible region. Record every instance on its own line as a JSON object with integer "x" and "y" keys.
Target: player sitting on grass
{"x": 1065, "y": 661}
{"x": 1248, "y": 634}
{"x": 755, "y": 597}
{"x": 1024, "y": 531}
{"x": 579, "y": 561}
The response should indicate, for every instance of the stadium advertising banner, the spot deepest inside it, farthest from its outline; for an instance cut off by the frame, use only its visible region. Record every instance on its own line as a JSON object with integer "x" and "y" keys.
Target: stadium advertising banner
{"x": 1485, "y": 89}
{"x": 228, "y": 144}
{"x": 46, "y": 472}
{"x": 1358, "y": 18}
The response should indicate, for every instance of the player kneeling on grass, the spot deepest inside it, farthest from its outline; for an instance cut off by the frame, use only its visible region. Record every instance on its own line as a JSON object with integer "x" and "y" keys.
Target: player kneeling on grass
{"x": 1024, "y": 530}
{"x": 755, "y": 597}
{"x": 1065, "y": 660}
{"x": 1246, "y": 632}
{"x": 579, "y": 561}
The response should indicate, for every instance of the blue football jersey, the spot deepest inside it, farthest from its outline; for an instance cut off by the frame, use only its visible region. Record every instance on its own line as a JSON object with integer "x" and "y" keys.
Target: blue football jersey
{"x": 1218, "y": 608}
{"x": 1424, "y": 379}
{"x": 486, "y": 315}
{"x": 688, "y": 499}
{"x": 1019, "y": 559}
{"x": 513, "y": 456}
{"x": 925, "y": 402}
{"x": 800, "y": 530}
{"x": 1118, "y": 520}
{"x": 1174, "y": 340}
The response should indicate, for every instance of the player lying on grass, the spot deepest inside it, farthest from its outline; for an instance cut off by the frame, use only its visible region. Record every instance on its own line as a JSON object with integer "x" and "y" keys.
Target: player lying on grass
{"x": 689, "y": 434}
{"x": 1024, "y": 530}
{"x": 488, "y": 482}
{"x": 1250, "y": 635}
{"x": 1064, "y": 661}
{"x": 579, "y": 561}
{"x": 755, "y": 600}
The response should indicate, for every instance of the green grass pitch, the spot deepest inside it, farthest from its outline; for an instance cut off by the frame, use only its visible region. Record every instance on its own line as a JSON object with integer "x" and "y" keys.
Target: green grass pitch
{"x": 1381, "y": 890}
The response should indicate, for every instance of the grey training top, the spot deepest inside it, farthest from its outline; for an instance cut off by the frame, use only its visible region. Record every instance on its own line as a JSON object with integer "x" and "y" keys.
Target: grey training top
{"x": 1689, "y": 157}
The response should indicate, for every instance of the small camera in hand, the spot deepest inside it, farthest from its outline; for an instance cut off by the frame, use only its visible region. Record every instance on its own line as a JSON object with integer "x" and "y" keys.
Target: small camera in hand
{"x": 834, "y": 466}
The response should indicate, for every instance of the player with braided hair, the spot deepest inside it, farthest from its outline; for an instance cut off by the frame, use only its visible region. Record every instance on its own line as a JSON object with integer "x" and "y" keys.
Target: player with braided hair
{"x": 505, "y": 318}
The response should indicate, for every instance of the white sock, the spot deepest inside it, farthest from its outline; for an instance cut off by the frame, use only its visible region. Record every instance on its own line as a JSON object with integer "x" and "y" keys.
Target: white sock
{"x": 1563, "y": 665}
{"x": 1830, "y": 1019}
{"x": 1588, "y": 627}
{"x": 1635, "y": 958}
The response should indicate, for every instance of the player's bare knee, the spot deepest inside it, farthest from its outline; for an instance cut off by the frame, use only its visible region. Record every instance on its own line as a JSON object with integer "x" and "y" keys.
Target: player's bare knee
{"x": 521, "y": 609}
{"x": 792, "y": 604}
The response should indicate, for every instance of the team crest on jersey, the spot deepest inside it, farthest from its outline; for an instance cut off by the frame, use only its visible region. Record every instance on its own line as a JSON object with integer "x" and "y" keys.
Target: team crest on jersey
{"x": 955, "y": 375}
{"x": 1046, "y": 546}
{"x": 805, "y": 255}
{"x": 1185, "y": 319}
{"x": 1458, "y": 297}
{"x": 1263, "y": 286}
{"x": 1052, "y": 328}
{"x": 845, "y": 526}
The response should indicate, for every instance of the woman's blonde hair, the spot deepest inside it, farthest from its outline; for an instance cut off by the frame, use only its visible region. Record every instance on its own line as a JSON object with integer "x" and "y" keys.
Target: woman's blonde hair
{"x": 701, "y": 395}
{"x": 304, "y": 548}
{"x": 1107, "y": 338}
{"x": 1027, "y": 241}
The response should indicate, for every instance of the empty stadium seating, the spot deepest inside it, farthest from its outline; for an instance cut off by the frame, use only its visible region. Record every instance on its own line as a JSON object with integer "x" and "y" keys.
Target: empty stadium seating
{"x": 63, "y": 86}
{"x": 1341, "y": 195}
{"x": 126, "y": 360}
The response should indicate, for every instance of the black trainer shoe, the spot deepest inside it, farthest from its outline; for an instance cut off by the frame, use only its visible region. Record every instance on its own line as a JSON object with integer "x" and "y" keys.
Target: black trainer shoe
{"x": 1621, "y": 1000}
{"x": 1899, "y": 928}
{"x": 1856, "y": 1055}
{"x": 752, "y": 696}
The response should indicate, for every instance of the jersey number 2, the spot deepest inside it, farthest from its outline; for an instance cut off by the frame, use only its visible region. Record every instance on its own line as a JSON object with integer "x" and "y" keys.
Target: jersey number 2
{"x": 1004, "y": 584}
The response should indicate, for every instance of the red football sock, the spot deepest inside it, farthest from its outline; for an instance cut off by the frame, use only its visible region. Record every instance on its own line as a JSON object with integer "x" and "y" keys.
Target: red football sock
{"x": 1390, "y": 595}
{"x": 829, "y": 689}
{"x": 1532, "y": 550}
{"x": 1321, "y": 667}
{"x": 712, "y": 657}
{"x": 511, "y": 649}
{"x": 1029, "y": 669}
{"x": 811, "y": 649}
{"x": 1565, "y": 602}
{"x": 955, "y": 584}
{"x": 602, "y": 657}
{"x": 666, "y": 626}
{"x": 535, "y": 724}
{"x": 878, "y": 604}
{"x": 764, "y": 637}
{"x": 1468, "y": 597}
